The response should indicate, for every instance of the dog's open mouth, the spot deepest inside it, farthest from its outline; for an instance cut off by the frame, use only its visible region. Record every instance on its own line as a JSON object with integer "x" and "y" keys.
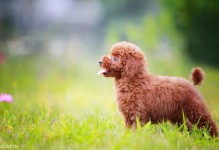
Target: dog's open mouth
{"x": 103, "y": 71}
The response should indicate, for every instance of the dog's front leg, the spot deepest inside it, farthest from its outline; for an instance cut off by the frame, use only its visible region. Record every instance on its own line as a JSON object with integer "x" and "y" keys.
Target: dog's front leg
{"x": 130, "y": 121}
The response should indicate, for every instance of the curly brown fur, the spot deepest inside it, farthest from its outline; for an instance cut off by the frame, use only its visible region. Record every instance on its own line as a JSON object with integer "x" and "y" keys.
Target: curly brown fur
{"x": 197, "y": 75}
{"x": 148, "y": 97}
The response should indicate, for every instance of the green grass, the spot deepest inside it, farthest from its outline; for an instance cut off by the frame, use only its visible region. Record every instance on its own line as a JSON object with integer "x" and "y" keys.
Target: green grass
{"x": 70, "y": 107}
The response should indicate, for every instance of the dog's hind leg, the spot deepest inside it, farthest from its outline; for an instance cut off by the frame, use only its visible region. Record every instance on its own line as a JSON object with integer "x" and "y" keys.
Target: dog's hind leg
{"x": 197, "y": 113}
{"x": 179, "y": 121}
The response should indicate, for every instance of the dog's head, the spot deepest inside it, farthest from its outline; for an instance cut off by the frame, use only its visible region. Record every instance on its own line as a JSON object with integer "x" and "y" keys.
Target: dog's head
{"x": 125, "y": 60}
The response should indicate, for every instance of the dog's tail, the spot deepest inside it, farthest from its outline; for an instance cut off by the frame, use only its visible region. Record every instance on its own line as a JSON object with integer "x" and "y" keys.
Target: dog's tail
{"x": 197, "y": 75}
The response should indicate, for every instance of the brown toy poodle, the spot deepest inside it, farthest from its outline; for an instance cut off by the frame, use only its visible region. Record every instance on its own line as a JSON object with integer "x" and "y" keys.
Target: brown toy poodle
{"x": 154, "y": 98}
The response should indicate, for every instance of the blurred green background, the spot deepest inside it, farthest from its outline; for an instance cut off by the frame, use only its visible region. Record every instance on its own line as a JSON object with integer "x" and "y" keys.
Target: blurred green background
{"x": 49, "y": 51}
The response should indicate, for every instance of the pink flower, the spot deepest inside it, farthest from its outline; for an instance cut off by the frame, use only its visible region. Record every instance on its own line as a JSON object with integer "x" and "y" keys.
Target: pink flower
{"x": 6, "y": 98}
{"x": 2, "y": 58}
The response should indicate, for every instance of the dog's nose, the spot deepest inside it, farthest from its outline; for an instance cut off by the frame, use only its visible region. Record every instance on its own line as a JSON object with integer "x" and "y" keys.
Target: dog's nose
{"x": 100, "y": 62}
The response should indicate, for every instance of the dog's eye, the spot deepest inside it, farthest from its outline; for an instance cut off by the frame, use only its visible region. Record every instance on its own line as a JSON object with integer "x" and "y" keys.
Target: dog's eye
{"x": 115, "y": 58}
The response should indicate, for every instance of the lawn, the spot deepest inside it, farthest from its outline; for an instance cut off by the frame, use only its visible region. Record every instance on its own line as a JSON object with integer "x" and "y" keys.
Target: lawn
{"x": 59, "y": 106}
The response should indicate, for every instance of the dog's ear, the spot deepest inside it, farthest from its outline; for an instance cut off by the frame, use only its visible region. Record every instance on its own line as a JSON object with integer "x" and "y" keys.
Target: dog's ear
{"x": 134, "y": 66}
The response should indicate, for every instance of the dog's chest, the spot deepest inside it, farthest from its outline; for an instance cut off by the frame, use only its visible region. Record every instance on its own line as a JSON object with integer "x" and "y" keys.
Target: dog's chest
{"x": 129, "y": 97}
